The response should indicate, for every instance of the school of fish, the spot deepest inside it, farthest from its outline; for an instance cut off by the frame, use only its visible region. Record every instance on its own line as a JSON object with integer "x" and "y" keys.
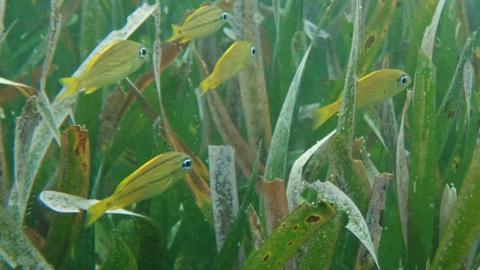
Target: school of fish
{"x": 120, "y": 58}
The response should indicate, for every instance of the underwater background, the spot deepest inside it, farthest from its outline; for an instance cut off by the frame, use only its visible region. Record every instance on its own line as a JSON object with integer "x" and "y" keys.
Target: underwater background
{"x": 390, "y": 179}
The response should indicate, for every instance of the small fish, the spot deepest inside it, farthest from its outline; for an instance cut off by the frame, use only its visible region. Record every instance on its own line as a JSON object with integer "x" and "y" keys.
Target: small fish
{"x": 235, "y": 58}
{"x": 112, "y": 64}
{"x": 372, "y": 88}
{"x": 204, "y": 21}
{"x": 151, "y": 179}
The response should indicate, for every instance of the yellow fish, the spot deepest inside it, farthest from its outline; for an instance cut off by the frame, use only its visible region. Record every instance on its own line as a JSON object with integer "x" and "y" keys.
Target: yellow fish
{"x": 112, "y": 64}
{"x": 372, "y": 88}
{"x": 151, "y": 179}
{"x": 204, "y": 21}
{"x": 235, "y": 58}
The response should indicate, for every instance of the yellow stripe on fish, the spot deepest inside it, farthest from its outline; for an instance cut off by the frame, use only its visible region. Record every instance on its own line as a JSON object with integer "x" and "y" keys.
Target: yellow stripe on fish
{"x": 235, "y": 58}
{"x": 372, "y": 88}
{"x": 151, "y": 179}
{"x": 204, "y": 21}
{"x": 119, "y": 59}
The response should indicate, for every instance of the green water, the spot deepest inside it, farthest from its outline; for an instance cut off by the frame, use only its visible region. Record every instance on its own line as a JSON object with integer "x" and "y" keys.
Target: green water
{"x": 255, "y": 196}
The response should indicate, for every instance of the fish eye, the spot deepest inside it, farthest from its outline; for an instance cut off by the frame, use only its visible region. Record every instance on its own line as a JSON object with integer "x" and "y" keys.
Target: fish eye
{"x": 187, "y": 164}
{"x": 224, "y": 16}
{"x": 404, "y": 80}
{"x": 253, "y": 50}
{"x": 142, "y": 52}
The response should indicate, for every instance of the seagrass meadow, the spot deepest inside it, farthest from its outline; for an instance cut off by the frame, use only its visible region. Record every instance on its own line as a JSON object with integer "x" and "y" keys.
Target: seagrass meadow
{"x": 239, "y": 134}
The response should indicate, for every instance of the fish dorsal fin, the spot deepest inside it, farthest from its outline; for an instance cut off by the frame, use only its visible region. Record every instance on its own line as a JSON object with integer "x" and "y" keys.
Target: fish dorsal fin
{"x": 204, "y": 8}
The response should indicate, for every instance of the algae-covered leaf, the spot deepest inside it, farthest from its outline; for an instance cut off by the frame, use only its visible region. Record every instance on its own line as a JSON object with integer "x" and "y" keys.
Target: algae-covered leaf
{"x": 26, "y": 90}
{"x": 25, "y": 126}
{"x": 421, "y": 196}
{"x": 424, "y": 153}
{"x": 468, "y": 76}
{"x": 253, "y": 90}
{"x": 15, "y": 247}
{"x": 299, "y": 45}
{"x": 92, "y": 26}
{"x": 401, "y": 170}
{"x": 466, "y": 134}
{"x": 120, "y": 255}
{"x": 3, "y": 3}
{"x": 374, "y": 122}
{"x": 288, "y": 20}
{"x": 374, "y": 217}
{"x": 449, "y": 198}
{"x": 450, "y": 106}
{"x": 43, "y": 103}
{"x": 142, "y": 243}
{"x": 284, "y": 242}
{"x": 277, "y": 156}
{"x": 375, "y": 32}
{"x": 227, "y": 255}
{"x": 62, "y": 202}
{"x": 422, "y": 13}
{"x": 346, "y": 121}
{"x": 45, "y": 109}
{"x": 67, "y": 203}
{"x": 74, "y": 177}
{"x": 428, "y": 40}
{"x": 223, "y": 183}
{"x": 295, "y": 182}
{"x": 329, "y": 193}
{"x": 464, "y": 225}
{"x": 230, "y": 134}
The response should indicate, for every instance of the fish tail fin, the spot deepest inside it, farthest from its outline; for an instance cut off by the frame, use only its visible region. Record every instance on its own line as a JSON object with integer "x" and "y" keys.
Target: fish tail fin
{"x": 176, "y": 30}
{"x": 97, "y": 210}
{"x": 72, "y": 84}
{"x": 206, "y": 85}
{"x": 321, "y": 115}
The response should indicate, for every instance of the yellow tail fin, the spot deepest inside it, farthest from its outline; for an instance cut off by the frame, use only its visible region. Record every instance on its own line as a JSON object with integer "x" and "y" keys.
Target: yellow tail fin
{"x": 72, "y": 84}
{"x": 206, "y": 85}
{"x": 176, "y": 33}
{"x": 321, "y": 115}
{"x": 97, "y": 210}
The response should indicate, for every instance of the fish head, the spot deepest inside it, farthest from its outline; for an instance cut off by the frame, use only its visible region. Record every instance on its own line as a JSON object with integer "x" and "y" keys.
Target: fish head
{"x": 243, "y": 50}
{"x": 387, "y": 82}
{"x": 135, "y": 53}
{"x": 179, "y": 163}
{"x": 380, "y": 85}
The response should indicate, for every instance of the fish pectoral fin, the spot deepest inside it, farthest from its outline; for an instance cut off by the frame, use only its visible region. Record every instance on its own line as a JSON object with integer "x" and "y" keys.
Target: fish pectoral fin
{"x": 184, "y": 40}
{"x": 90, "y": 90}
{"x": 177, "y": 31}
{"x": 97, "y": 210}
